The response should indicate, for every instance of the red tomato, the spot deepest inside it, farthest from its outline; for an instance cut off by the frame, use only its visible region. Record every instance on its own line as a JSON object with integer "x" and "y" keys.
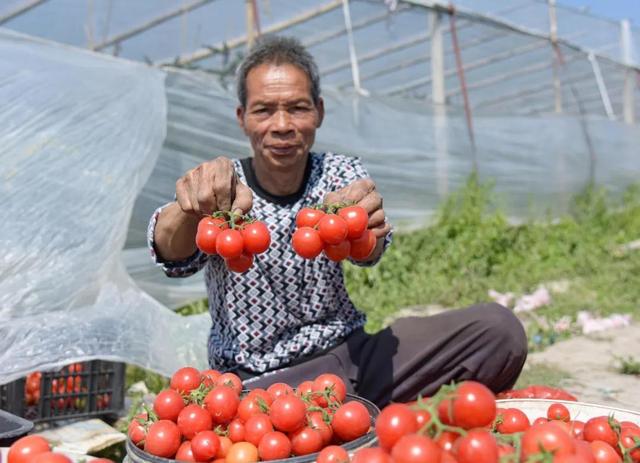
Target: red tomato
{"x": 225, "y": 445}
{"x": 205, "y": 446}
{"x": 558, "y": 412}
{"x": 274, "y": 445}
{"x": 256, "y": 427}
{"x": 185, "y": 380}
{"x": 102, "y": 460}
{"x": 168, "y": 404}
{"x": 335, "y": 454}
{"x": 422, "y": 417}
{"x": 583, "y": 452}
{"x": 163, "y": 439}
{"x": 25, "y": 448}
{"x": 208, "y": 230}
{"x": 395, "y": 421}
{"x": 599, "y": 428}
{"x": 261, "y": 396}
{"x": 305, "y": 389}
{"x": 504, "y": 449}
{"x": 256, "y": 238}
{"x": 446, "y": 440}
{"x": 308, "y": 217}
{"x": 351, "y": 421}
{"x": 604, "y": 453}
{"x": 305, "y": 441}
{"x": 136, "y": 430}
{"x": 240, "y": 264}
{"x": 356, "y": 218}
{"x": 32, "y": 384}
{"x": 332, "y": 229}
{"x": 628, "y": 438}
{"x": 249, "y": 407}
{"x": 330, "y": 385}
{"x": 184, "y": 452}
{"x": 540, "y": 420}
{"x": 477, "y": 447}
{"x": 277, "y": 390}
{"x": 547, "y": 436}
{"x": 222, "y": 403}
{"x": 370, "y": 455}
{"x": 50, "y": 457}
{"x": 577, "y": 429}
{"x": 316, "y": 421}
{"x": 337, "y": 252}
{"x": 288, "y": 413}
{"x": 193, "y": 419}
{"x": 229, "y": 243}
{"x": 362, "y": 247}
{"x": 473, "y": 406}
{"x": 414, "y": 448}
{"x": 242, "y": 452}
{"x": 209, "y": 377}
{"x": 236, "y": 431}
{"x": 511, "y": 421}
{"x": 307, "y": 243}
{"x": 230, "y": 380}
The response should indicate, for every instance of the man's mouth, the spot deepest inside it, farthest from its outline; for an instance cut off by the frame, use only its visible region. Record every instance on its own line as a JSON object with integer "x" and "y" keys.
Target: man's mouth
{"x": 282, "y": 149}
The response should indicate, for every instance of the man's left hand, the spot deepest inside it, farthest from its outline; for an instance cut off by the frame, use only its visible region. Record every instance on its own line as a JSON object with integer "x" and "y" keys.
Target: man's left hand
{"x": 363, "y": 193}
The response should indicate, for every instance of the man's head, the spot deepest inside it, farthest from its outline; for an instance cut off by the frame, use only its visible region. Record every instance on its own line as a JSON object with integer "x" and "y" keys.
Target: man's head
{"x": 280, "y": 105}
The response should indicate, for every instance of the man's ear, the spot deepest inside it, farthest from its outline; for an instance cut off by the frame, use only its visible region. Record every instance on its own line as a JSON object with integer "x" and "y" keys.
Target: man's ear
{"x": 240, "y": 116}
{"x": 320, "y": 108}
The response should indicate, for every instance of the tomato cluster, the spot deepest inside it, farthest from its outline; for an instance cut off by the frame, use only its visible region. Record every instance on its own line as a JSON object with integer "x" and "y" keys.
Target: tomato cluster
{"x": 464, "y": 424}
{"x": 68, "y": 390}
{"x": 235, "y": 238}
{"x": 338, "y": 231}
{"x": 205, "y": 416}
{"x": 36, "y": 449}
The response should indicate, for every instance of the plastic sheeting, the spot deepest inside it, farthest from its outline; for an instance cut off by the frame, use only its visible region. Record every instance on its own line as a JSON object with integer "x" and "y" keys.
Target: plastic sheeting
{"x": 80, "y": 135}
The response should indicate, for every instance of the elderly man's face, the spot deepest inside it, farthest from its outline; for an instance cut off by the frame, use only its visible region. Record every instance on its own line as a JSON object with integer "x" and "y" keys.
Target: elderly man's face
{"x": 280, "y": 117}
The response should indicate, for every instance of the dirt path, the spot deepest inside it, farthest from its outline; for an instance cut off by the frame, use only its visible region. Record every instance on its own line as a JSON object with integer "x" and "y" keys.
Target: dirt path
{"x": 591, "y": 366}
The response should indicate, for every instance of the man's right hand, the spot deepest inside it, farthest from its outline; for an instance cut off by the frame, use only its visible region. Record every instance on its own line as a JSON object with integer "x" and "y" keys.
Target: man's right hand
{"x": 213, "y": 186}
{"x": 210, "y": 187}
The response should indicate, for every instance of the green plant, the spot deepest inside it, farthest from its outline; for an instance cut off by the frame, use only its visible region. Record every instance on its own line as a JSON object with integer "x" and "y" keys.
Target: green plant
{"x": 628, "y": 365}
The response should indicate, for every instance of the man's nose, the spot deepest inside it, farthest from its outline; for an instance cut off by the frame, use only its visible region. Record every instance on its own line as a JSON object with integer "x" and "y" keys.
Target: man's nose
{"x": 282, "y": 122}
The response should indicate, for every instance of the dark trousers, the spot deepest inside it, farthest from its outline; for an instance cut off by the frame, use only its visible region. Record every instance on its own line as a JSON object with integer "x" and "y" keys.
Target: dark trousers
{"x": 417, "y": 355}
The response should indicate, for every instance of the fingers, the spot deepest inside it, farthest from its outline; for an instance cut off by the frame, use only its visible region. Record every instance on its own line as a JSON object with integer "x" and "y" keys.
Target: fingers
{"x": 381, "y": 230}
{"x": 243, "y": 199}
{"x": 182, "y": 196}
{"x": 223, "y": 183}
{"x": 376, "y": 219}
{"x": 352, "y": 193}
{"x": 371, "y": 202}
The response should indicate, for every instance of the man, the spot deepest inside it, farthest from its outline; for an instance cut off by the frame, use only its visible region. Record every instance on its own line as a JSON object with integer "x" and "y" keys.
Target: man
{"x": 289, "y": 319}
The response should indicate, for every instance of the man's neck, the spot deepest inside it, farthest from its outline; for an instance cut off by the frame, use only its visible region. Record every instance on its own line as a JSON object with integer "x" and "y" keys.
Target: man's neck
{"x": 279, "y": 183}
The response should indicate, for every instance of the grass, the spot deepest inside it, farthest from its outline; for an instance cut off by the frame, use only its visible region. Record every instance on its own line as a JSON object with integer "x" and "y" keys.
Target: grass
{"x": 628, "y": 366}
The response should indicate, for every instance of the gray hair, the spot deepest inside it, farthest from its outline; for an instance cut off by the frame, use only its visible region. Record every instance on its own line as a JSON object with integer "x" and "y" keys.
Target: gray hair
{"x": 278, "y": 50}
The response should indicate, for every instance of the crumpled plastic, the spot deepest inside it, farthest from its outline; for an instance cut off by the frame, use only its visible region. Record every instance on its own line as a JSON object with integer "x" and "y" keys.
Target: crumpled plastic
{"x": 590, "y": 324}
{"x": 526, "y": 303}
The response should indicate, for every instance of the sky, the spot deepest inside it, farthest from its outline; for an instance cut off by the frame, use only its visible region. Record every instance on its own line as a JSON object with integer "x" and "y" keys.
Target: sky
{"x": 614, "y": 9}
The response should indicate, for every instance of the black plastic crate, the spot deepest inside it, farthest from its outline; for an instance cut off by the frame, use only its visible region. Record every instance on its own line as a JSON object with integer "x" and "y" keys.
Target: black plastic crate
{"x": 12, "y": 428}
{"x": 79, "y": 390}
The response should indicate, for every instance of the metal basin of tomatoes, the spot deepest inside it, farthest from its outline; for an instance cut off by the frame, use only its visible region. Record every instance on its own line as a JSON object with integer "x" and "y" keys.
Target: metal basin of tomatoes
{"x": 137, "y": 455}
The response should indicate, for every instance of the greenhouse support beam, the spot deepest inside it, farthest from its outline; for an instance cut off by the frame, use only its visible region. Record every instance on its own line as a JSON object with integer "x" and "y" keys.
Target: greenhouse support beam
{"x": 353, "y": 57}
{"x": 587, "y": 99}
{"x": 149, "y": 24}
{"x": 556, "y": 57}
{"x": 602, "y": 88}
{"x": 437, "y": 58}
{"x": 203, "y": 53}
{"x": 629, "y": 104}
{"x": 356, "y": 25}
{"x": 20, "y": 9}
{"x": 461, "y": 78}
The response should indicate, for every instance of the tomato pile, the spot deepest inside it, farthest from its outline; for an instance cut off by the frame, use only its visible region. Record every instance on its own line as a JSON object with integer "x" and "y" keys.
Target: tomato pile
{"x": 36, "y": 449}
{"x": 464, "y": 424}
{"x": 235, "y": 238}
{"x": 204, "y": 416}
{"x": 339, "y": 231}
{"x": 68, "y": 390}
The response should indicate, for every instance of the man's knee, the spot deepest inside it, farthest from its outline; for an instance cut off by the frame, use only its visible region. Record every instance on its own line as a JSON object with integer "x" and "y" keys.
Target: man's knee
{"x": 500, "y": 324}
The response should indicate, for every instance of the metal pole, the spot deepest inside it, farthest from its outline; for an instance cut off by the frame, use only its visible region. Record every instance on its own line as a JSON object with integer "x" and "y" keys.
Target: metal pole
{"x": 20, "y": 10}
{"x": 250, "y": 23}
{"x": 602, "y": 88}
{"x": 437, "y": 59}
{"x": 629, "y": 75}
{"x": 353, "y": 57}
{"x": 463, "y": 84}
{"x": 553, "y": 34}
